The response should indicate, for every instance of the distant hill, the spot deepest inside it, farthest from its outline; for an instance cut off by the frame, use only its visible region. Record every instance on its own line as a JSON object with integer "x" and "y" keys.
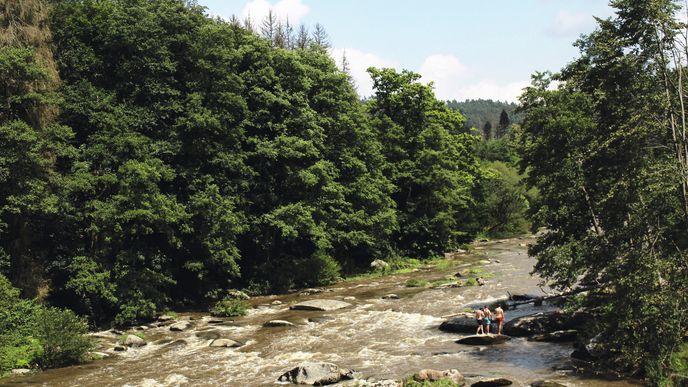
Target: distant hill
{"x": 480, "y": 111}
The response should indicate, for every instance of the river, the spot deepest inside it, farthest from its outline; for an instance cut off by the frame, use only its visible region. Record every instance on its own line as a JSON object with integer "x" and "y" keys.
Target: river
{"x": 381, "y": 338}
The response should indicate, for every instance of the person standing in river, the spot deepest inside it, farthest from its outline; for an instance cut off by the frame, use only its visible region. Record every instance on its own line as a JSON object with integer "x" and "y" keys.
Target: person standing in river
{"x": 479, "y": 315}
{"x": 499, "y": 317}
{"x": 487, "y": 319}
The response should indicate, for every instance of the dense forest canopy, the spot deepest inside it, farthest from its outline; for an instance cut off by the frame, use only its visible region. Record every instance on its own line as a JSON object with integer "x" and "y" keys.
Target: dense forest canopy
{"x": 480, "y": 114}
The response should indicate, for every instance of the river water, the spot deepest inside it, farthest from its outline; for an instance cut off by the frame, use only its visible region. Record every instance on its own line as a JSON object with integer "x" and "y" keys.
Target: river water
{"x": 381, "y": 338}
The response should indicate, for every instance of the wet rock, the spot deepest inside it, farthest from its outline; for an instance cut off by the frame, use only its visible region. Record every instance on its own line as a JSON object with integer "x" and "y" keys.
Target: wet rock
{"x": 556, "y": 336}
{"x": 177, "y": 344}
{"x": 480, "y": 281}
{"x": 134, "y": 341}
{"x": 522, "y": 245}
{"x": 492, "y": 382}
{"x": 276, "y": 302}
{"x": 320, "y": 319}
{"x": 116, "y": 332}
{"x": 165, "y": 318}
{"x": 449, "y": 285}
{"x": 180, "y": 326}
{"x": 97, "y": 355}
{"x": 237, "y": 294}
{"x": 20, "y": 371}
{"x": 546, "y": 383}
{"x": 522, "y": 297}
{"x": 320, "y": 305}
{"x": 309, "y": 291}
{"x": 538, "y": 323}
{"x": 142, "y": 328}
{"x": 208, "y": 335}
{"x": 119, "y": 348}
{"x": 316, "y": 373}
{"x": 349, "y": 298}
{"x": 278, "y": 323}
{"x": 214, "y": 321}
{"x": 390, "y": 296}
{"x": 225, "y": 343}
{"x": 460, "y": 324}
{"x": 483, "y": 339}
{"x": 429, "y": 375}
{"x": 379, "y": 264}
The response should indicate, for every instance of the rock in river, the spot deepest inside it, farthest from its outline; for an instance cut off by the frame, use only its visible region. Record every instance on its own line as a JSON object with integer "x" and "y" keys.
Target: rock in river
{"x": 225, "y": 343}
{"x": 556, "y": 336}
{"x": 320, "y": 305}
{"x": 461, "y": 324}
{"x": 316, "y": 373}
{"x": 492, "y": 383}
{"x": 537, "y": 323}
{"x": 391, "y": 296}
{"x": 546, "y": 383}
{"x": 428, "y": 375}
{"x": 180, "y": 326}
{"x": 134, "y": 341}
{"x": 483, "y": 339}
{"x": 278, "y": 323}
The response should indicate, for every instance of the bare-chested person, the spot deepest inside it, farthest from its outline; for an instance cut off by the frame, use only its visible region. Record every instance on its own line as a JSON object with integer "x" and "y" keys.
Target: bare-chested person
{"x": 499, "y": 317}
{"x": 479, "y": 315}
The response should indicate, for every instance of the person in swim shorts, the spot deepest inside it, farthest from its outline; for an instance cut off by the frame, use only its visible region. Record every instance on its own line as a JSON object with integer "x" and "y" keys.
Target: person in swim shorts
{"x": 499, "y": 317}
{"x": 479, "y": 315}
{"x": 487, "y": 320}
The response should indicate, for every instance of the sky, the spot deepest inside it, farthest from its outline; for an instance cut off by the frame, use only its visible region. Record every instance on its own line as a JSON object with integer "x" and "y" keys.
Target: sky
{"x": 469, "y": 49}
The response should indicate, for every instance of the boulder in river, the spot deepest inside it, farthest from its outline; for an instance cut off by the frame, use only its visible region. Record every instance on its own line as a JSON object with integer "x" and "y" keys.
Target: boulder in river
{"x": 390, "y": 296}
{"x": 208, "y": 335}
{"x": 538, "y": 323}
{"x": 546, "y": 383}
{"x": 460, "y": 324}
{"x": 483, "y": 339}
{"x": 320, "y": 305}
{"x": 429, "y": 375}
{"x": 180, "y": 326}
{"x": 556, "y": 336}
{"x": 316, "y": 373}
{"x": 165, "y": 318}
{"x": 320, "y": 319}
{"x": 278, "y": 323}
{"x": 134, "y": 341}
{"x": 20, "y": 371}
{"x": 225, "y": 343}
{"x": 498, "y": 382}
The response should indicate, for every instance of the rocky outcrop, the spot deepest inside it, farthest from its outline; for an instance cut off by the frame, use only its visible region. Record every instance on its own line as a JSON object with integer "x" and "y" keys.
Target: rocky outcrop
{"x": 460, "y": 324}
{"x": 538, "y": 323}
{"x": 429, "y": 375}
{"x": 320, "y": 305}
{"x": 278, "y": 323}
{"x": 483, "y": 339}
{"x": 556, "y": 336}
{"x": 316, "y": 373}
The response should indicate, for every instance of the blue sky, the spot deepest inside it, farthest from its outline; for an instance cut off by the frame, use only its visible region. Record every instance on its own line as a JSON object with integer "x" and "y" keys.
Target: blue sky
{"x": 468, "y": 48}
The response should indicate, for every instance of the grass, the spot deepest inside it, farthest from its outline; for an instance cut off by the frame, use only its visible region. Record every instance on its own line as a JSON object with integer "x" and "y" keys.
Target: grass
{"x": 471, "y": 282}
{"x": 416, "y": 283}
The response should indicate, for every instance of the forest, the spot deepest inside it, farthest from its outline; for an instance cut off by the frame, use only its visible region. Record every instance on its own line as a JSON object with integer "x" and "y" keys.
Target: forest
{"x": 154, "y": 158}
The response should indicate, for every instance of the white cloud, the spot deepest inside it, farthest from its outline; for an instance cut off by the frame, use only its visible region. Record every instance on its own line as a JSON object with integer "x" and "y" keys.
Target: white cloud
{"x": 490, "y": 89}
{"x": 359, "y": 62}
{"x": 446, "y": 71}
{"x": 568, "y": 24}
{"x": 293, "y": 10}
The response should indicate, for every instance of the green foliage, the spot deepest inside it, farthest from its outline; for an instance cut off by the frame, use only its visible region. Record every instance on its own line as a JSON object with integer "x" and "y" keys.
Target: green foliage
{"x": 479, "y": 112}
{"x": 429, "y": 160}
{"x": 601, "y": 151}
{"x": 32, "y": 335}
{"x": 229, "y": 308}
{"x": 470, "y": 282}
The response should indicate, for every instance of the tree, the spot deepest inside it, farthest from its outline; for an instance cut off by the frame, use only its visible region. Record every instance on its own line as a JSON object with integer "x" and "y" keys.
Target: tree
{"x": 504, "y": 124}
{"x": 319, "y": 38}
{"x": 611, "y": 193}
{"x": 429, "y": 160}
{"x": 487, "y": 131}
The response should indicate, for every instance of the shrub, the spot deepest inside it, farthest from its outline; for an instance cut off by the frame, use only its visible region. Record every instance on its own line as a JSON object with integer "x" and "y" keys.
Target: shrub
{"x": 229, "y": 308}
{"x": 62, "y": 334}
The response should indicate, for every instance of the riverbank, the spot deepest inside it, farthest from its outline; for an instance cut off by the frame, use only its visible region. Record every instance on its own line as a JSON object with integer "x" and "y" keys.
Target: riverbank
{"x": 377, "y": 335}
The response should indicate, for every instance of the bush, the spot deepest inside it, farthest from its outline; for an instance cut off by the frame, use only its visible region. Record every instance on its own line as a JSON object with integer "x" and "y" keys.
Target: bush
{"x": 416, "y": 283}
{"x": 229, "y": 308}
{"x": 33, "y": 335}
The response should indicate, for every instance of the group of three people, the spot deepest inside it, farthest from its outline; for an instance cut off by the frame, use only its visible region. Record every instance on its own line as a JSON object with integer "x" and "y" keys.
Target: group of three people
{"x": 484, "y": 318}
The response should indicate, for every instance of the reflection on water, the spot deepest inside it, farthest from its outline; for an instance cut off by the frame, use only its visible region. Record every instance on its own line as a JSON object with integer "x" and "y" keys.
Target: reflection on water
{"x": 380, "y": 338}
